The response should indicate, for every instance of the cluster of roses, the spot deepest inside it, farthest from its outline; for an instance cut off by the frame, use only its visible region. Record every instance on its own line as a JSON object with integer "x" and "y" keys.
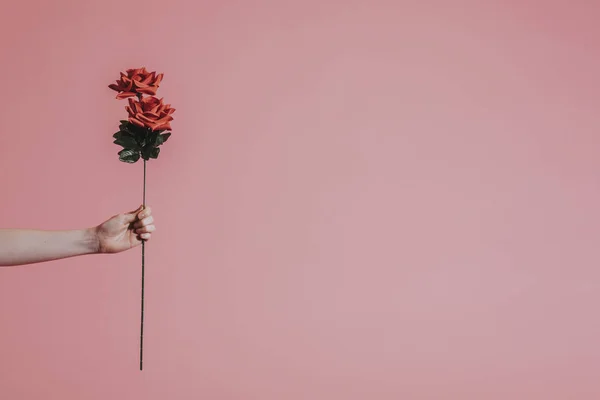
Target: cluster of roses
{"x": 149, "y": 117}
{"x": 149, "y": 112}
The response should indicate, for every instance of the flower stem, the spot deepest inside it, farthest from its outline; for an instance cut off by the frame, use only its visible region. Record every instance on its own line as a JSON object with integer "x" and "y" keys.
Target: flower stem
{"x": 143, "y": 274}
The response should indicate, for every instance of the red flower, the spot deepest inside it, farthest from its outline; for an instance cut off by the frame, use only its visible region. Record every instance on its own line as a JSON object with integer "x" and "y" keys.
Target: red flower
{"x": 136, "y": 81}
{"x": 150, "y": 112}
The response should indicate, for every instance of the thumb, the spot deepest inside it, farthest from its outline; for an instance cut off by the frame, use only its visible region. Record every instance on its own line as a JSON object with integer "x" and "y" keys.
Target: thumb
{"x": 132, "y": 216}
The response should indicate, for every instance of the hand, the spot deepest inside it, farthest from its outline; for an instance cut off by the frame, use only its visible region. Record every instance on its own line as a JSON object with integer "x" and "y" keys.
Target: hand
{"x": 125, "y": 231}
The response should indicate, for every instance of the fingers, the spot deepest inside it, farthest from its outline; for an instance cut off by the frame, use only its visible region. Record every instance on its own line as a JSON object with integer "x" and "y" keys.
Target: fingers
{"x": 143, "y": 212}
{"x": 133, "y": 215}
{"x": 145, "y": 236}
{"x": 145, "y": 225}
{"x": 145, "y": 229}
{"x": 141, "y": 223}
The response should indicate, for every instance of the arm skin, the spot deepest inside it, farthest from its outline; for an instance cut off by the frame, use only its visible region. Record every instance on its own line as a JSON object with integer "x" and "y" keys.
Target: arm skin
{"x": 119, "y": 233}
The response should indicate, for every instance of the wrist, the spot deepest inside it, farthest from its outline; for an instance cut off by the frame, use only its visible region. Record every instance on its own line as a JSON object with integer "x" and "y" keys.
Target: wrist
{"x": 91, "y": 240}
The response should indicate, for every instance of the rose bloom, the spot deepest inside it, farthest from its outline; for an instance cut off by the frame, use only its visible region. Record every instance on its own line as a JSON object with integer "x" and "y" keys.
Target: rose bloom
{"x": 137, "y": 81}
{"x": 150, "y": 112}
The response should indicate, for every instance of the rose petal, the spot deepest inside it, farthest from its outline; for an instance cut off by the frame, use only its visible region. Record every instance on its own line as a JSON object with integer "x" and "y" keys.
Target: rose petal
{"x": 151, "y": 90}
{"x": 126, "y": 84}
{"x": 148, "y": 79}
{"x": 164, "y": 120}
{"x": 140, "y": 72}
{"x": 125, "y": 95}
{"x": 155, "y": 110}
{"x": 146, "y": 119}
{"x": 138, "y": 83}
{"x": 135, "y": 106}
{"x": 152, "y": 114}
{"x": 133, "y": 71}
{"x": 136, "y": 122}
{"x": 150, "y": 102}
{"x": 166, "y": 126}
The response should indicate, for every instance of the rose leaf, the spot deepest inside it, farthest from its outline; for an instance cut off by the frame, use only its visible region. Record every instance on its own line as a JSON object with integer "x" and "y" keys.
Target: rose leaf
{"x": 162, "y": 138}
{"x": 154, "y": 152}
{"x": 127, "y": 142}
{"x": 129, "y": 156}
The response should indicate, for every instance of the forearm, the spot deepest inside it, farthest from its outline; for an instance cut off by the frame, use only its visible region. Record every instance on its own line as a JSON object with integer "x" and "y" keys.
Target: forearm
{"x": 26, "y": 246}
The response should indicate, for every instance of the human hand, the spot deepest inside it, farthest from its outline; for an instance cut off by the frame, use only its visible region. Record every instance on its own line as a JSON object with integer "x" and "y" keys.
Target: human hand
{"x": 125, "y": 231}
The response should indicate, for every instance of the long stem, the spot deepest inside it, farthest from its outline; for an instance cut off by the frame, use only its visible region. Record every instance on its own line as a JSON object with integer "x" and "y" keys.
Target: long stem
{"x": 143, "y": 273}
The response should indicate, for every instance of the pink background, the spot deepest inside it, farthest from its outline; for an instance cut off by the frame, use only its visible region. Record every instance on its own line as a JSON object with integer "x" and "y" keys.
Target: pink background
{"x": 360, "y": 200}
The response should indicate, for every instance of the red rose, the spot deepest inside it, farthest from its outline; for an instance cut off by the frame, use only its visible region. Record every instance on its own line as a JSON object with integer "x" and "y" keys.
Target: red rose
{"x": 150, "y": 112}
{"x": 136, "y": 81}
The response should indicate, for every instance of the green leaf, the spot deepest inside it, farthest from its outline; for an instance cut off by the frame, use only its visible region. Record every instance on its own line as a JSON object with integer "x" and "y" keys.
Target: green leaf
{"x": 120, "y": 134}
{"x": 129, "y": 156}
{"x": 146, "y": 150}
{"x": 127, "y": 142}
{"x": 125, "y": 126}
{"x": 141, "y": 135}
{"x": 152, "y": 137}
{"x": 124, "y": 134}
{"x": 162, "y": 138}
{"x": 154, "y": 152}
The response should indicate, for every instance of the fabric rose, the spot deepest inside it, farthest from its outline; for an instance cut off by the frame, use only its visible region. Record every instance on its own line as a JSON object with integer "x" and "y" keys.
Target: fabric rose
{"x": 150, "y": 112}
{"x": 136, "y": 81}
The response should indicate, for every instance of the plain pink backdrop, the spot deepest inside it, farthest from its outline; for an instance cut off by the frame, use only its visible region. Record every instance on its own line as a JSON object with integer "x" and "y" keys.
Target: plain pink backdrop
{"x": 360, "y": 200}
